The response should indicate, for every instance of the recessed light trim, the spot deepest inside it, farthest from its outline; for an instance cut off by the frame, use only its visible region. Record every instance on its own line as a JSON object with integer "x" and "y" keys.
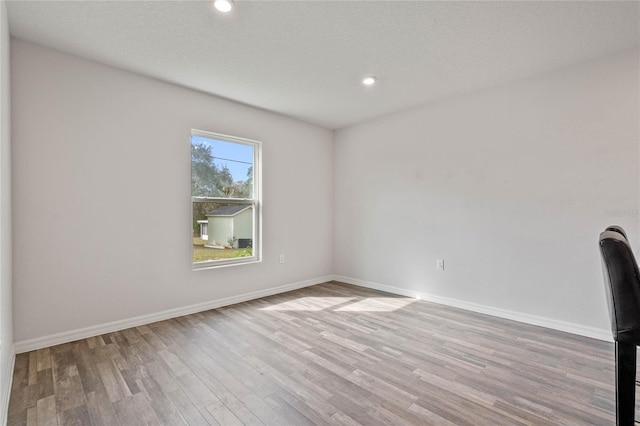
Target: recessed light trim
{"x": 369, "y": 81}
{"x": 223, "y": 6}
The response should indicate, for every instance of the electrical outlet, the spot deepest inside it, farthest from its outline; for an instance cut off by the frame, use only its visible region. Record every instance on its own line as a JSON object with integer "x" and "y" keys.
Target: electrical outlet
{"x": 282, "y": 258}
{"x": 440, "y": 264}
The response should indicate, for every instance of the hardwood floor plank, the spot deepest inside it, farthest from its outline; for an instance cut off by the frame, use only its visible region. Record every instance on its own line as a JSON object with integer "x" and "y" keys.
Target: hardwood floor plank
{"x": 241, "y": 411}
{"x": 101, "y": 410}
{"x": 33, "y": 368}
{"x": 261, "y": 409}
{"x": 160, "y": 374}
{"x": 77, "y": 416}
{"x": 187, "y": 409}
{"x": 88, "y": 370}
{"x": 196, "y": 390}
{"x": 32, "y": 416}
{"x": 429, "y": 417}
{"x": 44, "y": 382}
{"x": 110, "y": 382}
{"x": 223, "y": 415}
{"x": 173, "y": 363}
{"x": 21, "y": 399}
{"x": 164, "y": 408}
{"x": 340, "y": 418}
{"x": 354, "y": 406}
{"x": 288, "y": 414}
{"x": 135, "y": 410}
{"x": 20, "y": 375}
{"x": 46, "y": 412}
{"x": 309, "y": 411}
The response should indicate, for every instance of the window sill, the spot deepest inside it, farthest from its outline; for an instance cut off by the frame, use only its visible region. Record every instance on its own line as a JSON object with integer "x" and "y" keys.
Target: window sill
{"x": 215, "y": 264}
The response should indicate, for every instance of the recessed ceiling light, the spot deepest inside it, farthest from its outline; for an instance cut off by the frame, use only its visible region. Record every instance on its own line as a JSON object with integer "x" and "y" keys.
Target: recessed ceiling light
{"x": 223, "y": 5}
{"x": 369, "y": 81}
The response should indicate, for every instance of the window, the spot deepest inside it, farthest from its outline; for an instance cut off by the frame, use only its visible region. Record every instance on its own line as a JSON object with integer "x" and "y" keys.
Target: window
{"x": 225, "y": 200}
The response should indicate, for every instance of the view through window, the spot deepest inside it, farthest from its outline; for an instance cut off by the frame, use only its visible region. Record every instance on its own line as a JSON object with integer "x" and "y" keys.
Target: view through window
{"x": 225, "y": 199}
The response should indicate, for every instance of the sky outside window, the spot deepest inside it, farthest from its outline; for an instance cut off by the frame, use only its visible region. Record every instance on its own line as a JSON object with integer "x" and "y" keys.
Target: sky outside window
{"x": 237, "y": 157}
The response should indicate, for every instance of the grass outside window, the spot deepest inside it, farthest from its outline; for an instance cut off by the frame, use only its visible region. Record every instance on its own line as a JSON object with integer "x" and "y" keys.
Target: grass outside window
{"x": 203, "y": 254}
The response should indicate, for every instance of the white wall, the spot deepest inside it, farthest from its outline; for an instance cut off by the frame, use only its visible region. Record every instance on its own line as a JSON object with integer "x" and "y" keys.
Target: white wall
{"x": 97, "y": 145}
{"x": 511, "y": 186}
{"x": 6, "y": 319}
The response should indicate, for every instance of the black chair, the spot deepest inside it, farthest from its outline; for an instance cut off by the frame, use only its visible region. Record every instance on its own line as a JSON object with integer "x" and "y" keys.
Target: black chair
{"x": 622, "y": 282}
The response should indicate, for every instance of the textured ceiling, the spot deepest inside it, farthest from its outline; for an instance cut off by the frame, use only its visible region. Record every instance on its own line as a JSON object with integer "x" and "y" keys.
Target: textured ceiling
{"x": 305, "y": 59}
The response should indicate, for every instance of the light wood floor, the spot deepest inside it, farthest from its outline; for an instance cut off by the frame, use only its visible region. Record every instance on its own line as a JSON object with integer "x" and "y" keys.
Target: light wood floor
{"x": 328, "y": 354}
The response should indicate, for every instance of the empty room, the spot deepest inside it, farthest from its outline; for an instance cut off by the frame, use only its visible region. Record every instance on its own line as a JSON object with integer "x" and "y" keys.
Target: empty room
{"x": 400, "y": 212}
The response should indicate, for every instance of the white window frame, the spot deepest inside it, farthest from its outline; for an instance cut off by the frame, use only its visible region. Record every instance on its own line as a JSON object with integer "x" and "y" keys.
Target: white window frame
{"x": 255, "y": 202}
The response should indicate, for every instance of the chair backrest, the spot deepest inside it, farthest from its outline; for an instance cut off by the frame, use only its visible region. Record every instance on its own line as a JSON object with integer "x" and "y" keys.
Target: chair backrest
{"x": 622, "y": 282}
{"x": 617, "y": 229}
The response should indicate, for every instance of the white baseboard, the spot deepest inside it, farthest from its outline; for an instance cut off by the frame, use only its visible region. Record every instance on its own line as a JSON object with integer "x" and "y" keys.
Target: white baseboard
{"x": 5, "y": 391}
{"x": 83, "y": 333}
{"x": 96, "y": 330}
{"x": 581, "y": 330}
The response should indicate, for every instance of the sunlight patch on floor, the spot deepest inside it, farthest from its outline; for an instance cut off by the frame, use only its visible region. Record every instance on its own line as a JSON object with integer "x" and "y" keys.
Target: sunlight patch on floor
{"x": 370, "y": 304}
{"x": 308, "y": 304}
{"x": 377, "y": 304}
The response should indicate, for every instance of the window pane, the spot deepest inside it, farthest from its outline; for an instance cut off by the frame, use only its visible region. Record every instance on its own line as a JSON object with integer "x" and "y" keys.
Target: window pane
{"x": 229, "y": 231}
{"x": 220, "y": 168}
